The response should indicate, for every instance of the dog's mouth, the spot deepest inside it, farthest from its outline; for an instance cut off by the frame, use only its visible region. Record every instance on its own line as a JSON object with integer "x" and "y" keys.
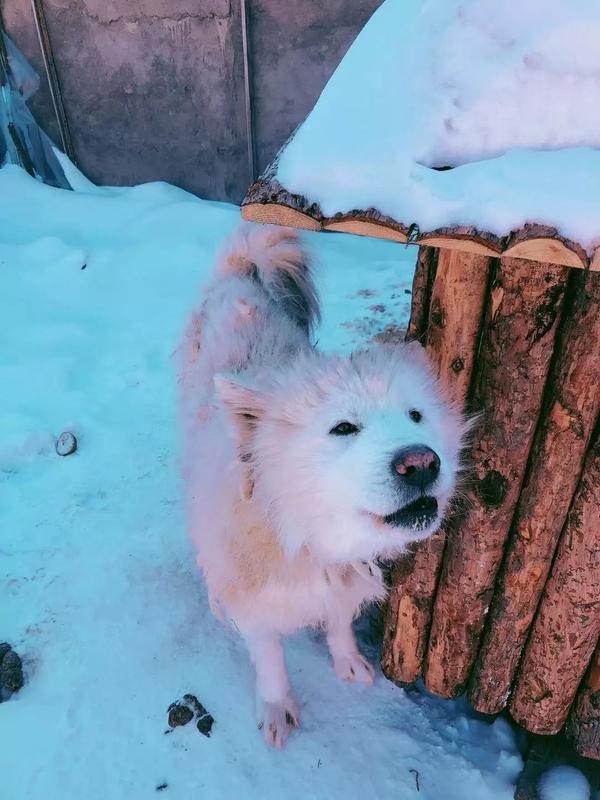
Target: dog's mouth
{"x": 416, "y": 515}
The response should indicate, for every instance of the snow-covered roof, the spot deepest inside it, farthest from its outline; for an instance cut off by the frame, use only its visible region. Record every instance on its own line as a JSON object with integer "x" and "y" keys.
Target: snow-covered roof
{"x": 508, "y": 94}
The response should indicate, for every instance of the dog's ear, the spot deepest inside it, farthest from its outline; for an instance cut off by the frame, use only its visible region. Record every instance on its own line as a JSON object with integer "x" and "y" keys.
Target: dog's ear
{"x": 245, "y": 404}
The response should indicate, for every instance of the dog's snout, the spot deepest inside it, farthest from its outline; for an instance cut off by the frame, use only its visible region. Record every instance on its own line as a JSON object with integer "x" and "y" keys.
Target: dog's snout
{"x": 417, "y": 466}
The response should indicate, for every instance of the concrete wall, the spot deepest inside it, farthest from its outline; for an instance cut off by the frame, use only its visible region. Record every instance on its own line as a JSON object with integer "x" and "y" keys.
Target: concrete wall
{"x": 153, "y": 89}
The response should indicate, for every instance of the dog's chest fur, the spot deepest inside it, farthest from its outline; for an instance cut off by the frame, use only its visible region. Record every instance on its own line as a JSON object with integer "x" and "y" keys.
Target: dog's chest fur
{"x": 262, "y": 582}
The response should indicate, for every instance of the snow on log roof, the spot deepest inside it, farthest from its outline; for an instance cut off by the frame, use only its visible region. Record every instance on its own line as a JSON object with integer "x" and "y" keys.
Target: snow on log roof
{"x": 505, "y": 94}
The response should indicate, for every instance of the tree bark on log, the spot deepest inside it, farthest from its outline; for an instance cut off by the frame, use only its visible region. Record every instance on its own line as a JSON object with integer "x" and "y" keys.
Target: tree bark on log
{"x": 567, "y": 625}
{"x": 422, "y": 286}
{"x": 517, "y": 344}
{"x": 455, "y": 317}
{"x": 583, "y": 727}
{"x": 571, "y": 406}
{"x": 452, "y": 332}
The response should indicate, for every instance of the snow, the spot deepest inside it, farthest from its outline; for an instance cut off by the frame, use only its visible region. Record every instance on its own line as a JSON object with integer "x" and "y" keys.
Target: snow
{"x": 99, "y": 593}
{"x": 510, "y": 90}
{"x": 564, "y": 783}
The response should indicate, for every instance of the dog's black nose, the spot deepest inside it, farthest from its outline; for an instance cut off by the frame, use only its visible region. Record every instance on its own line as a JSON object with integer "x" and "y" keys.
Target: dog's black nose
{"x": 416, "y": 466}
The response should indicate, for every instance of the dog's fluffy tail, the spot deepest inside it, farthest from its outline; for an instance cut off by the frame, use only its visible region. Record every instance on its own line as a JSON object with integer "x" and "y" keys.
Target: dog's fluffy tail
{"x": 276, "y": 257}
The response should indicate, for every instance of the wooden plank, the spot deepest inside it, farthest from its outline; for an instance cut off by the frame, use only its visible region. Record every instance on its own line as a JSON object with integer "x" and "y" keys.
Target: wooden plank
{"x": 517, "y": 344}
{"x": 277, "y": 214}
{"x": 572, "y": 404}
{"x": 455, "y": 315}
{"x": 567, "y": 625}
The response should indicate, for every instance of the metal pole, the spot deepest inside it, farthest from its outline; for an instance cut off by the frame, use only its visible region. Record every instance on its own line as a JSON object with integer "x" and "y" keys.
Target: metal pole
{"x": 52, "y": 75}
{"x": 248, "y": 92}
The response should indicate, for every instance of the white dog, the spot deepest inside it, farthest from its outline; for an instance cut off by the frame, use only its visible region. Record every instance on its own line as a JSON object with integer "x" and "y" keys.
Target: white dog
{"x": 301, "y": 469}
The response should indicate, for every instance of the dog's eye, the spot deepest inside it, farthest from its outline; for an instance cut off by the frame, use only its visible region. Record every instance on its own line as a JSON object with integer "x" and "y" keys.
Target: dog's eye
{"x": 415, "y": 415}
{"x": 344, "y": 429}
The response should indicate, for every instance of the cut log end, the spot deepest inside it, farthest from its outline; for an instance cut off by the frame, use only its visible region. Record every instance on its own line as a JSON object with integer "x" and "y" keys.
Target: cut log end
{"x": 362, "y": 228}
{"x": 467, "y": 241}
{"x": 275, "y": 214}
{"x": 552, "y": 251}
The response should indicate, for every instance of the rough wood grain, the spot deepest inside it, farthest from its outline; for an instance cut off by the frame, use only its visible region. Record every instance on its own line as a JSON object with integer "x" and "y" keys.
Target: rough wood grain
{"x": 571, "y": 406}
{"x": 583, "y": 727}
{"x": 276, "y": 214}
{"x": 567, "y": 625}
{"x": 409, "y": 607}
{"x": 268, "y": 191}
{"x": 517, "y": 344}
{"x": 455, "y": 312}
{"x": 367, "y": 223}
{"x": 455, "y": 317}
{"x": 422, "y": 286}
{"x": 543, "y": 243}
{"x": 465, "y": 239}
{"x": 360, "y": 227}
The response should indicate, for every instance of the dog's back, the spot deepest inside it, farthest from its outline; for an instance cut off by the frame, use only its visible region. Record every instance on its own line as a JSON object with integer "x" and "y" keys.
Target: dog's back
{"x": 257, "y": 313}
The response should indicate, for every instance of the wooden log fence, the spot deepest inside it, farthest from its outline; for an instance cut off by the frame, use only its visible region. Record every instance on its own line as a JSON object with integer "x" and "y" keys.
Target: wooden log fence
{"x": 454, "y": 314}
{"x": 567, "y": 626}
{"x": 572, "y": 405}
{"x": 516, "y": 350}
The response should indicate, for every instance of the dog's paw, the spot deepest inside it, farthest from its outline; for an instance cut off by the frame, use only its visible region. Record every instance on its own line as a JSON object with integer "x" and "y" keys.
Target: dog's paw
{"x": 277, "y": 720}
{"x": 354, "y": 669}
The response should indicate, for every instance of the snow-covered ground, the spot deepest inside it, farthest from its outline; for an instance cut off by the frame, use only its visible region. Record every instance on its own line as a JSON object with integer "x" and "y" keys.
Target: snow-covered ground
{"x": 99, "y": 593}
{"x": 511, "y": 91}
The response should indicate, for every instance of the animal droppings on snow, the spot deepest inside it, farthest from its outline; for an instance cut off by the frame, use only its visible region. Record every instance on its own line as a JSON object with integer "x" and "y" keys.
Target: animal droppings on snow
{"x": 204, "y": 720}
{"x": 183, "y": 711}
{"x": 564, "y": 783}
{"x": 179, "y": 715}
{"x": 11, "y": 671}
{"x": 66, "y": 444}
{"x": 205, "y": 724}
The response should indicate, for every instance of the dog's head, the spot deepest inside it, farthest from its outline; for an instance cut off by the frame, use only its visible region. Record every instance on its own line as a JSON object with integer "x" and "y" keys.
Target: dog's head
{"x": 351, "y": 457}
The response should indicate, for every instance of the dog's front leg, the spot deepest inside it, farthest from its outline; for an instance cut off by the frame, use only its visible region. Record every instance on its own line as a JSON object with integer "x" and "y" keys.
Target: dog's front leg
{"x": 277, "y": 713}
{"x": 348, "y": 663}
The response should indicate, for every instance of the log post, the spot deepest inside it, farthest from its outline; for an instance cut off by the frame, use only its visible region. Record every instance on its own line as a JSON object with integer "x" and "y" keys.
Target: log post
{"x": 567, "y": 625}
{"x": 422, "y": 286}
{"x": 454, "y": 321}
{"x": 518, "y": 340}
{"x": 571, "y": 406}
{"x": 583, "y": 727}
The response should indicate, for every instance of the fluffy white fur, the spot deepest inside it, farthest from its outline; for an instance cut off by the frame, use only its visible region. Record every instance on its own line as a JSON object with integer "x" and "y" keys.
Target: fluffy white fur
{"x": 287, "y": 518}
